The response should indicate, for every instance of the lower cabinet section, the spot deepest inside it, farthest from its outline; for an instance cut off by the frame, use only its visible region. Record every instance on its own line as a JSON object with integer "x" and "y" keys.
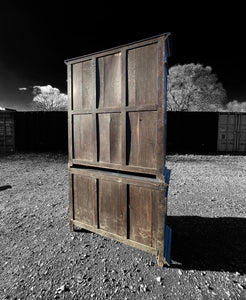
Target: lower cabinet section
{"x": 127, "y": 208}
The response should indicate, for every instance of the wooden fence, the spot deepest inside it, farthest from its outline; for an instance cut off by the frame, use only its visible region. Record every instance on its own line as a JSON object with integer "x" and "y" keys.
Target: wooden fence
{"x": 41, "y": 131}
{"x": 7, "y": 132}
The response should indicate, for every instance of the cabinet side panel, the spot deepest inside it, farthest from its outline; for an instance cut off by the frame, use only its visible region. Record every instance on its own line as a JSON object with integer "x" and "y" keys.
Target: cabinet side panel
{"x": 109, "y": 131}
{"x": 83, "y": 85}
{"x": 83, "y": 137}
{"x": 142, "y": 139}
{"x": 142, "y": 74}
{"x": 109, "y": 81}
{"x": 143, "y": 223}
{"x": 77, "y": 86}
{"x": 112, "y": 207}
{"x": 85, "y": 200}
{"x": 87, "y": 85}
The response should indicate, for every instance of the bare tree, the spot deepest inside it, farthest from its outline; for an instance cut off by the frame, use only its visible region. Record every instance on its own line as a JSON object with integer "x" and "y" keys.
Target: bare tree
{"x": 192, "y": 87}
{"x": 48, "y": 98}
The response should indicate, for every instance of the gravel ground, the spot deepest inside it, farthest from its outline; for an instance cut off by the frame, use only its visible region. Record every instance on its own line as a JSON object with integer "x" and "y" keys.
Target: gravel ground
{"x": 41, "y": 259}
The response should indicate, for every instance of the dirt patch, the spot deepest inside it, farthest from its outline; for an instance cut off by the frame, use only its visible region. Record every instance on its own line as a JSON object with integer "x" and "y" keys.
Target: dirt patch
{"x": 41, "y": 259}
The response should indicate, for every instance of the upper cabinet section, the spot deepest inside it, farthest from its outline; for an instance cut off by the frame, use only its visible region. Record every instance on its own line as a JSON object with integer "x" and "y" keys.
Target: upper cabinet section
{"x": 123, "y": 76}
{"x": 117, "y": 107}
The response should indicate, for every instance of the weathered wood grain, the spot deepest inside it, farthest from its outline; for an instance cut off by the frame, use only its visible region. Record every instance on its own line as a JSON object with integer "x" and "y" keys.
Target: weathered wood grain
{"x": 123, "y": 90}
{"x": 83, "y": 85}
{"x": 125, "y": 205}
{"x": 84, "y": 143}
{"x": 142, "y": 139}
{"x": 109, "y": 83}
{"x": 112, "y": 207}
{"x": 85, "y": 199}
{"x": 116, "y": 144}
{"x": 142, "y": 67}
{"x": 109, "y": 128}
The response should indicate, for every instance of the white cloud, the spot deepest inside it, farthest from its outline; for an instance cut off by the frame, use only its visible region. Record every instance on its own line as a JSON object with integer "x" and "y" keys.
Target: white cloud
{"x": 45, "y": 89}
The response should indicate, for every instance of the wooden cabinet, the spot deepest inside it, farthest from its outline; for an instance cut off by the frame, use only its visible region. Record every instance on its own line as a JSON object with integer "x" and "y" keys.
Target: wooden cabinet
{"x": 116, "y": 121}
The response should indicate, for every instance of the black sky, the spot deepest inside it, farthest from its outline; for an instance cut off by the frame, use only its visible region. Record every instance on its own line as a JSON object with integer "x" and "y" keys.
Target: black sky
{"x": 37, "y": 38}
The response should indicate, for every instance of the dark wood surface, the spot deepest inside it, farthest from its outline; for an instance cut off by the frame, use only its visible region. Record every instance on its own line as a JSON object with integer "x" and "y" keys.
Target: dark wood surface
{"x": 116, "y": 123}
{"x": 116, "y": 113}
{"x": 125, "y": 205}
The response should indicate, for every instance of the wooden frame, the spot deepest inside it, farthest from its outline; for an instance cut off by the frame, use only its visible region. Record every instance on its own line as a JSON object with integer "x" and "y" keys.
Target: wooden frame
{"x": 116, "y": 124}
{"x": 129, "y": 209}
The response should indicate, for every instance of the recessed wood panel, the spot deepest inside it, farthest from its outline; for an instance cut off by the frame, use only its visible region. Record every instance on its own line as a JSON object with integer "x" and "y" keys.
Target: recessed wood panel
{"x": 109, "y": 132}
{"x": 83, "y": 87}
{"x": 85, "y": 201}
{"x": 113, "y": 207}
{"x": 142, "y": 138}
{"x": 142, "y": 75}
{"x": 84, "y": 137}
{"x": 109, "y": 81}
{"x": 143, "y": 215}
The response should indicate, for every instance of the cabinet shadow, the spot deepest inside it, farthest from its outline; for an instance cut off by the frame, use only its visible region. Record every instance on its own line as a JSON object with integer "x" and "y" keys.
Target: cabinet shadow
{"x": 216, "y": 244}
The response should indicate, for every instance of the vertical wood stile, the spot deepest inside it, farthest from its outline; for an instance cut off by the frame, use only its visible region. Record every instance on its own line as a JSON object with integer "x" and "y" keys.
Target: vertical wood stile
{"x": 70, "y": 117}
{"x": 160, "y": 125}
{"x": 123, "y": 107}
{"x": 96, "y": 203}
{"x": 71, "y": 202}
{"x": 124, "y": 210}
{"x": 93, "y": 109}
{"x": 161, "y": 227}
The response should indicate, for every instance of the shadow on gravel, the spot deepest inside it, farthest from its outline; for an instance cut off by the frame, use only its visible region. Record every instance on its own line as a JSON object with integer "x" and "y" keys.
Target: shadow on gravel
{"x": 215, "y": 244}
{"x": 5, "y": 187}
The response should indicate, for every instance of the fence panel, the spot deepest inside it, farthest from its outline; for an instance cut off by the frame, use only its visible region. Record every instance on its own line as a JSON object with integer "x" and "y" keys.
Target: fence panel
{"x": 41, "y": 131}
{"x": 7, "y": 132}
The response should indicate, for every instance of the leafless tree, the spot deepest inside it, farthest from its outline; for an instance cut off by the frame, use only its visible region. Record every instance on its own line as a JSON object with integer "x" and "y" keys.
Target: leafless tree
{"x": 48, "y": 98}
{"x": 192, "y": 87}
